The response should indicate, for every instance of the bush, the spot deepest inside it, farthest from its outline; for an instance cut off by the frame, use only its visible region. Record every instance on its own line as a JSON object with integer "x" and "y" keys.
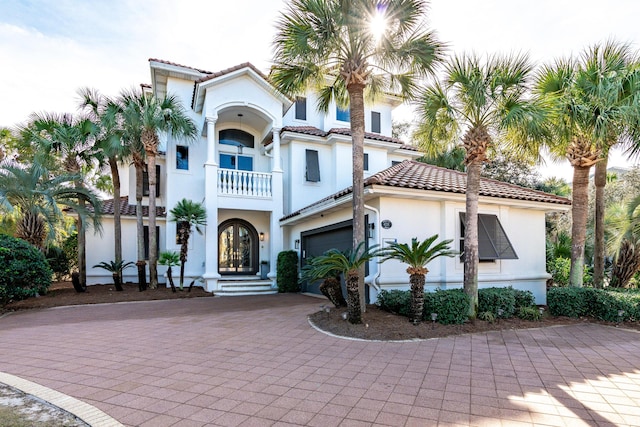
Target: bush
{"x": 529, "y": 313}
{"x": 608, "y": 303}
{"x": 451, "y": 305}
{"x": 487, "y": 316}
{"x": 395, "y": 301}
{"x": 496, "y": 299}
{"x": 70, "y": 248}
{"x": 24, "y": 271}
{"x": 560, "y": 270}
{"x": 287, "y": 274}
{"x": 571, "y": 301}
{"x": 58, "y": 261}
{"x": 523, "y": 298}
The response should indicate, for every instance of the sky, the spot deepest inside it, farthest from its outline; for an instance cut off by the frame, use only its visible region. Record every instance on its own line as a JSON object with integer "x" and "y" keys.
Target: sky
{"x": 50, "y": 48}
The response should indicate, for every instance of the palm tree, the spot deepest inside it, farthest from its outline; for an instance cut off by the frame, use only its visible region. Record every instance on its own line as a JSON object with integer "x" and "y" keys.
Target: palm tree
{"x": 348, "y": 263}
{"x": 485, "y": 104}
{"x": 38, "y": 196}
{"x": 103, "y": 112}
{"x": 153, "y": 115}
{"x": 343, "y": 48}
{"x": 170, "y": 259}
{"x": 115, "y": 268}
{"x": 609, "y": 77}
{"x": 417, "y": 256}
{"x": 624, "y": 226}
{"x": 187, "y": 214}
{"x": 70, "y": 140}
{"x": 330, "y": 287}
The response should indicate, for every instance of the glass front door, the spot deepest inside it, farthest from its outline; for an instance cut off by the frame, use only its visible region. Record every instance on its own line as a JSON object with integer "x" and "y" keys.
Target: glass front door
{"x": 237, "y": 248}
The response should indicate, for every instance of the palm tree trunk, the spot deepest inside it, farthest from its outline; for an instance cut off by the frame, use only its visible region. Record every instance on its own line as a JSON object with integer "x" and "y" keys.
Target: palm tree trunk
{"x": 356, "y": 99}
{"x": 331, "y": 289}
{"x": 471, "y": 237}
{"x": 117, "y": 223}
{"x": 82, "y": 258}
{"x": 626, "y": 264}
{"x": 153, "y": 255}
{"x": 417, "y": 297}
{"x": 170, "y": 278}
{"x": 353, "y": 297}
{"x": 600, "y": 181}
{"x": 185, "y": 228}
{"x": 579, "y": 213}
{"x": 141, "y": 264}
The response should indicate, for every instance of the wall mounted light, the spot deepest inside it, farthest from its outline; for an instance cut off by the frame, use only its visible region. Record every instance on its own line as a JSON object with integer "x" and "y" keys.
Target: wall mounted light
{"x": 261, "y": 236}
{"x": 297, "y": 243}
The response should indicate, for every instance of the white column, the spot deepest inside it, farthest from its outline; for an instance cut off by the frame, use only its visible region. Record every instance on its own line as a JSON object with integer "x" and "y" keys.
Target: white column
{"x": 275, "y": 230}
{"x": 211, "y": 275}
{"x": 277, "y": 166}
{"x": 212, "y": 151}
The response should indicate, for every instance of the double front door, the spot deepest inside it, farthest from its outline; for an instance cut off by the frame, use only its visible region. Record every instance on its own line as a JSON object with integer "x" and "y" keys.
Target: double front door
{"x": 237, "y": 248}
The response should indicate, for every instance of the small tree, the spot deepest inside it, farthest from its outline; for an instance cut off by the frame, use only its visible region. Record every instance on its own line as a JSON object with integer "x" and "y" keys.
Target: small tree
{"x": 330, "y": 286}
{"x": 187, "y": 214}
{"x": 417, "y": 256}
{"x": 170, "y": 259}
{"x": 115, "y": 267}
{"x": 287, "y": 271}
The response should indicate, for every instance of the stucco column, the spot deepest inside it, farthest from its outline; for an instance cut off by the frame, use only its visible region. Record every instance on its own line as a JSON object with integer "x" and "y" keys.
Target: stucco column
{"x": 275, "y": 230}
{"x": 212, "y": 151}
{"x": 277, "y": 166}
{"x": 211, "y": 275}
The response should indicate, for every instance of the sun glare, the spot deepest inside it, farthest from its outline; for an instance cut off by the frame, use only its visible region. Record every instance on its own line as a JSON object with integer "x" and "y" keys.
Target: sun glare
{"x": 378, "y": 24}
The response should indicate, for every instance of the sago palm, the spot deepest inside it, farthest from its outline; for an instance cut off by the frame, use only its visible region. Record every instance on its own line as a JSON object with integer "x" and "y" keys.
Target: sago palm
{"x": 345, "y": 48}
{"x": 187, "y": 214}
{"x": 154, "y": 115}
{"x": 330, "y": 287}
{"x": 623, "y": 225}
{"x": 170, "y": 259}
{"x": 417, "y": 256}
{"x": 481, "y": 103}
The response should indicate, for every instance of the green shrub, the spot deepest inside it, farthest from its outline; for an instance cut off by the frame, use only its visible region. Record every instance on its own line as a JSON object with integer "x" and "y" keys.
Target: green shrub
{"x": 287, "y": 274}
{"x": 451, "y": 305}
{"x": 70, "y": 248}
{"x": 560, "y": 270}
{"x": 487, "y": 316}
{"x": 608, "y": 303}
{"x": 571, "y": 301}
{"x": 58, "y": 261}
{"x": 523, "y": 298}
{"x": 495, "y": 299}
{"x": 24, "y": 271}
{"x": 529, "y": 313}
{"x": 395, "y": 301}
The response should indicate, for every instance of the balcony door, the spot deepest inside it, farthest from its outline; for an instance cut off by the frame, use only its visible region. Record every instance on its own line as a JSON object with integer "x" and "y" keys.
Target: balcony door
{"x": 237, "y": 248}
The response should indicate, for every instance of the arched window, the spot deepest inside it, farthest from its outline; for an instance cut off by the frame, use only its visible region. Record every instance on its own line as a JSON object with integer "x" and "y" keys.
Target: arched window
{"x": 236, "y": 137}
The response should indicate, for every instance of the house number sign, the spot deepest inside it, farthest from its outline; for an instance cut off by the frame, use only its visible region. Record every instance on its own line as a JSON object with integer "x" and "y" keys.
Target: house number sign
{"x": 386, "y": 224}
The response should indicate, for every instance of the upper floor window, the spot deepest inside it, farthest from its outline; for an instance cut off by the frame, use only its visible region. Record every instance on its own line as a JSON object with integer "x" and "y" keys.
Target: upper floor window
{"x": 375, "y": 122}
{"x": 313, "y": 166}
{"x": 237, "y": 138}
{"x": 493, "y": 242}
{"x": 365, "y": 165}
{"x": 182, "y": 157}
{"x": 301, "y": 108}
{"x": 342, "y": 114}
{"x": 145, "y": 182}
{"x": 233, "y": 161}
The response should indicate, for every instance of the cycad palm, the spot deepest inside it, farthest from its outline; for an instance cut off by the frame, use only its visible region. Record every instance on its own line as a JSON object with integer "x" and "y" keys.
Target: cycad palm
{"x": 331, "y": 46}
{"x": 417, "y": 256}
{"x": 482, "y": 103}
{"x": 623, "y": 224}
{"x": 187, "y": 214}
{"x": 154, "y": 115}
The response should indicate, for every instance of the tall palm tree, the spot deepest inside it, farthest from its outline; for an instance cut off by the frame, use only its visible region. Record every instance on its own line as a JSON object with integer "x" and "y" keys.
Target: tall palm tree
{"x": 417, "y": 256}
{"x": 348, "y": 263}
{"x": 482, "y": 103}
{"x": 68, "y": 141}
{"x": 103, "y": 112}
{"x": 343, "y": 48}
{"x": 187, "y": 214}
{"x": 610, "y": 79}
{"x": 155, "y": 115}
{"x": 38, "y": 196}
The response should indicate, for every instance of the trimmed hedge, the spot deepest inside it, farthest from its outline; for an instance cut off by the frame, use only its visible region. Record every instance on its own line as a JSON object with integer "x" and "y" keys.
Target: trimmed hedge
{"x": 495, "y": 299}
{"x": 24, "y": 271}
{"x": 451, "y": 305}
{"x": 395, "y": 301}
{"x": 571, "y": 301}
{"x": 287, "y": 272}
{"x": 603, "y": 304}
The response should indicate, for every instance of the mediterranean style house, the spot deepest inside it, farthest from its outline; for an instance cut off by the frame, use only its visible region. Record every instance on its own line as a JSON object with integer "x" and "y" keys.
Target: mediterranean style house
{"x": 274, "y": 174}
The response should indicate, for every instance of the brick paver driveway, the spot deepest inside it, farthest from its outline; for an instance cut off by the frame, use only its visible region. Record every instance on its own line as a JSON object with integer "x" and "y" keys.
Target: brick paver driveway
{"x": 255, "y": 361}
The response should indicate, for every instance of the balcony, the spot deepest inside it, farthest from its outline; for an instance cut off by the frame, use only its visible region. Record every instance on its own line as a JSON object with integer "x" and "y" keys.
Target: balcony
{"x": 233, "y": 182}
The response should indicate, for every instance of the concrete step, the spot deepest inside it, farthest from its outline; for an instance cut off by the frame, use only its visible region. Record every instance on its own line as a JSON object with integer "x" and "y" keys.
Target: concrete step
{"x": 245, "y": 286}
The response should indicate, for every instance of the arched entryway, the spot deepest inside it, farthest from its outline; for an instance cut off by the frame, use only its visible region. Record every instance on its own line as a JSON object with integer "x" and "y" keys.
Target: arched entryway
{"x": 237, "y": 248}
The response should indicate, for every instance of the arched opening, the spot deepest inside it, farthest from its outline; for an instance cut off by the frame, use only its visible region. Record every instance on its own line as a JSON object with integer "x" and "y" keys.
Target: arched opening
{"x": 237, "y": 247}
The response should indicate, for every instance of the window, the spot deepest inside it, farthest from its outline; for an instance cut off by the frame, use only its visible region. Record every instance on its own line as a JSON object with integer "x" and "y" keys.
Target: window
{"x": 237, "y": 138}
{"x": 395, "y": 162}
{"x": 375, "y": 122}
{"x": 145, "y": 182}
{"x": 366, "y": 162}
{"x": 233, "y": 161}
{"x": 182, "y": 157}
{"x": 146, "y": 241}
{"x": 301, "y": 108}
{"x": 343, "y": 114}
{"x": 493, "y": 242}
{"x": 313, "y": 166}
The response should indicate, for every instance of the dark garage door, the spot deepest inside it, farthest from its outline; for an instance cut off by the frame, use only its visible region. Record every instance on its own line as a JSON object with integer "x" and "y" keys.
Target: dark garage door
{"x": 316, "y": 242}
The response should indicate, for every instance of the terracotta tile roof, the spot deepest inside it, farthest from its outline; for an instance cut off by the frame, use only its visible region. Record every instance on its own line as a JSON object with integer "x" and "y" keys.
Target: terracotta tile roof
{"x": 130, "y": 210}
{"x": 162, "y": 61}
{"x": 230, "y": 70}
{"x": 421, "y": 176}
{"x": 310, "y": 130}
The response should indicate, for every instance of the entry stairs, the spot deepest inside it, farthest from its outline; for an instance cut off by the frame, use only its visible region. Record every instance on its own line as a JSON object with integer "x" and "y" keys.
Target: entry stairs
{"x": 245, "y": 285}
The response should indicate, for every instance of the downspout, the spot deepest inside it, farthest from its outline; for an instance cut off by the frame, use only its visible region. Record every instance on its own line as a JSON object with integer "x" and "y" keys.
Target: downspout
{"x": 373, "y": 280}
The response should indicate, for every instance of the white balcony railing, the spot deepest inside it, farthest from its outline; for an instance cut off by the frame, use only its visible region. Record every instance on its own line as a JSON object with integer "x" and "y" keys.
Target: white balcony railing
{"x": 244, "y": 183}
